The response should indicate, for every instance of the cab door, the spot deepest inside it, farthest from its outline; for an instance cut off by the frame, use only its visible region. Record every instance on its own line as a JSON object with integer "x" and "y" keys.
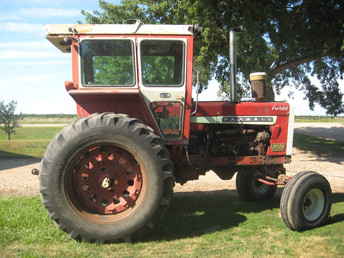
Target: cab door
{"x": 162, "y": 80}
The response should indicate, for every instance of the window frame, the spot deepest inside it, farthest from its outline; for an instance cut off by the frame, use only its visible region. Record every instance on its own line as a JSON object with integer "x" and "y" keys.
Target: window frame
{"x": 134, "y": 58}
{"x": 183, "y": 76}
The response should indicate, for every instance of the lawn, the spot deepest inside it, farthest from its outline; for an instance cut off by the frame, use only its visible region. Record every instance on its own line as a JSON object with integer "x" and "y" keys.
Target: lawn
{"x": 319, "y": 119}
{"x": 47, "y": 119}
{"x": 207, "y": 224}
{"x": 27, "y": 142}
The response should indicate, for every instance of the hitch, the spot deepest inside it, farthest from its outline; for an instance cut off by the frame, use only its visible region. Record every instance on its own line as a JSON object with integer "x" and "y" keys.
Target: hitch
{"x": 35, "y": 171}
{"x": 281, "y": 180}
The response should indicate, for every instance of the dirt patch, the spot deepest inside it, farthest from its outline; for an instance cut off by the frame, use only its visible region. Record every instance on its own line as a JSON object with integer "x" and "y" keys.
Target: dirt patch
{"x": 16, "y": 177}
{"x": 19, "y": 180}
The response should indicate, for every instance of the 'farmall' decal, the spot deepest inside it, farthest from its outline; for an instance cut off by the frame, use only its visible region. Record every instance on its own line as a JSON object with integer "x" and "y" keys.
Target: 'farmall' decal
{"x": 280, "y": 108}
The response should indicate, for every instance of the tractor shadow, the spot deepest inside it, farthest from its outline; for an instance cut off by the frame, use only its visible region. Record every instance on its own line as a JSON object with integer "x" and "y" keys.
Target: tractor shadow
{"x": 324, "y": 149}
{"x": 9, "y": 160}
{"x": 193, "y": 214}
{"x": 335, "y": 133}
{"x": 336, "y": 218}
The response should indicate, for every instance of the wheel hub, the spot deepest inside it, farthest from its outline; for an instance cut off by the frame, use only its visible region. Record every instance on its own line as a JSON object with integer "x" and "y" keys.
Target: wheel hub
{"x": 106, "y": 183}
{"x": 106, "y": 180}
{"x": 313, "y": 204}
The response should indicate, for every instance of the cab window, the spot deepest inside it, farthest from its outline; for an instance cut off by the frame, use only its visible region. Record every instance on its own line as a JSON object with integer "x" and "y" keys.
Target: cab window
{"x": 107, "y": 63}
{"x": 162, "y": 62}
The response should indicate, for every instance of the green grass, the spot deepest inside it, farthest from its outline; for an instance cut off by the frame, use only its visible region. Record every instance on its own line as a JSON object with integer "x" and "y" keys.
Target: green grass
{"x": 47, "y": 119}
{"x": 319, "y": 119}
{"x": 27, "y": 142}
{"x": 198, "y": 225}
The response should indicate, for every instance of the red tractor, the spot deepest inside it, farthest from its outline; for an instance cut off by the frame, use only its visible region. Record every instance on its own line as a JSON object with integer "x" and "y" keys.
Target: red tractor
{"x": 110, "y": 174}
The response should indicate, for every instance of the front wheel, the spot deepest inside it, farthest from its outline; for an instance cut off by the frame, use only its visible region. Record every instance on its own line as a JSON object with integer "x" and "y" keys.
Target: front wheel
{"x": 306, "y": 201}
{"x": 106, "y": 177}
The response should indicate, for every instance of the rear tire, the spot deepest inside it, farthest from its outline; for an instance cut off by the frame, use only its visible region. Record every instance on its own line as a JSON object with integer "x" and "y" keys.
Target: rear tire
{"x": 249, "y": 189}
{"x": 106, "y": 177}
{"x": 306, "y": 201}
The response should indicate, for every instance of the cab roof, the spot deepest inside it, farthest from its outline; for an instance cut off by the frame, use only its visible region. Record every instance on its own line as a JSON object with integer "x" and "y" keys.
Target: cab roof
{"x": 56, "y": 32}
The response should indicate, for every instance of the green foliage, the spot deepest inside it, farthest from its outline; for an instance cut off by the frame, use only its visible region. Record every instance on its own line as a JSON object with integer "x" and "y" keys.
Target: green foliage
{"x": 107, "y": 66}
{"x": 162, "y": 62}
{"x": 158, "y": 70}
{"x": 8, "y": 118}
{"x": 107, "y": 62}
{"x": 291, "y": 40}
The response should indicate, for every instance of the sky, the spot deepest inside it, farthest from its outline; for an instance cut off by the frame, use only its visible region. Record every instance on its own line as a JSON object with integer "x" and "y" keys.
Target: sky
{"x": 33, "y": 71}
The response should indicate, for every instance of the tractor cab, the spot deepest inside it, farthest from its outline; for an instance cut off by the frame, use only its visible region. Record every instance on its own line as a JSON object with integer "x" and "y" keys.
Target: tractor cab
{"x": 142, "y": 70}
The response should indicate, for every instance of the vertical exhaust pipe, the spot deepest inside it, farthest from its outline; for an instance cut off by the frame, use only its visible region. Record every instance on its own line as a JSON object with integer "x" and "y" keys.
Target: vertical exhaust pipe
{"x": 232, "y": 63}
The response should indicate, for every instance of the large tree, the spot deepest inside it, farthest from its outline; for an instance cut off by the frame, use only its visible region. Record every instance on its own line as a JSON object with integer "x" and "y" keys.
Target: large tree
{"x": 292, "y": 40}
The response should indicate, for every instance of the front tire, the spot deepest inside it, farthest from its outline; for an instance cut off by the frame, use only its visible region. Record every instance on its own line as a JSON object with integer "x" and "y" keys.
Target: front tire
{"x": 306, "y": 201}
{"x": 106, "y": 177}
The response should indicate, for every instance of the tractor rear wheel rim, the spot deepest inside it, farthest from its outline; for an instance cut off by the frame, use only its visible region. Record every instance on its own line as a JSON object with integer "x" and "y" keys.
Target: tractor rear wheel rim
{"x": 105, "y": 180}
{"x": 313, "y": 204}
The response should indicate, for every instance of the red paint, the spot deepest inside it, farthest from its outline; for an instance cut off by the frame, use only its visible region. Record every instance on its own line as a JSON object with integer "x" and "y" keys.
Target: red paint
{"x": 280, "y": 109}
{"x": 188, "y": 94}
{"x": 128, "y": 101}
{"x": 238, "y": 161}
{"x": 106, "y": 188}
{"x": 275, "y": 131}
{"x": 266, "y": 182}
{"x": 282, "y": 123}
{"x": 75, "y": 63}
{"x": 69, "y": 85}
{"x": 225, "y": 108}
{"x": 121, "y": 100}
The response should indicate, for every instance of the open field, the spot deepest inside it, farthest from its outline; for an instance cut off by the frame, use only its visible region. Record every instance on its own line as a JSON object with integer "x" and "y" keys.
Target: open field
{"x": 319, "y": 119}
{"x": 28, "y": 141}
{"x": 47, "y": 119}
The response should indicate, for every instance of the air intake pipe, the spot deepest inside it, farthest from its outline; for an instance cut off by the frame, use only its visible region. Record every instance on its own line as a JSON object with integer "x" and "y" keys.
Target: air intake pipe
{"x": 260, "y": 90}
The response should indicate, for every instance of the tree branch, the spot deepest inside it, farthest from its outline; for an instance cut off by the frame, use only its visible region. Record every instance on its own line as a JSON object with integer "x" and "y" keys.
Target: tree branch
{"x": 291, "y": 64}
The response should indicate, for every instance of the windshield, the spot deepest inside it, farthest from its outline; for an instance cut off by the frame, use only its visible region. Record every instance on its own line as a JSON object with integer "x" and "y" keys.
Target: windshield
{"x": 162, "y": 62}
{"x": 107, "y": 63}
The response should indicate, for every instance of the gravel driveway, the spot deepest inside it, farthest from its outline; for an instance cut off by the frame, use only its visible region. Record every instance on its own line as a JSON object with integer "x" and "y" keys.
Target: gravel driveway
{"x": 16, "y": 179}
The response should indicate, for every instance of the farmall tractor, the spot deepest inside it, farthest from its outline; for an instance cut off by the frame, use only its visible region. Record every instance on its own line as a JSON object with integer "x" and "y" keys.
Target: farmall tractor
{"x": 110, "y": 174}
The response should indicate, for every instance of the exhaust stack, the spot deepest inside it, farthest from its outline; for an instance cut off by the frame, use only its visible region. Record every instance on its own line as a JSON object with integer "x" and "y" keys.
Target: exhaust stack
{"x": 232, "y": 63}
